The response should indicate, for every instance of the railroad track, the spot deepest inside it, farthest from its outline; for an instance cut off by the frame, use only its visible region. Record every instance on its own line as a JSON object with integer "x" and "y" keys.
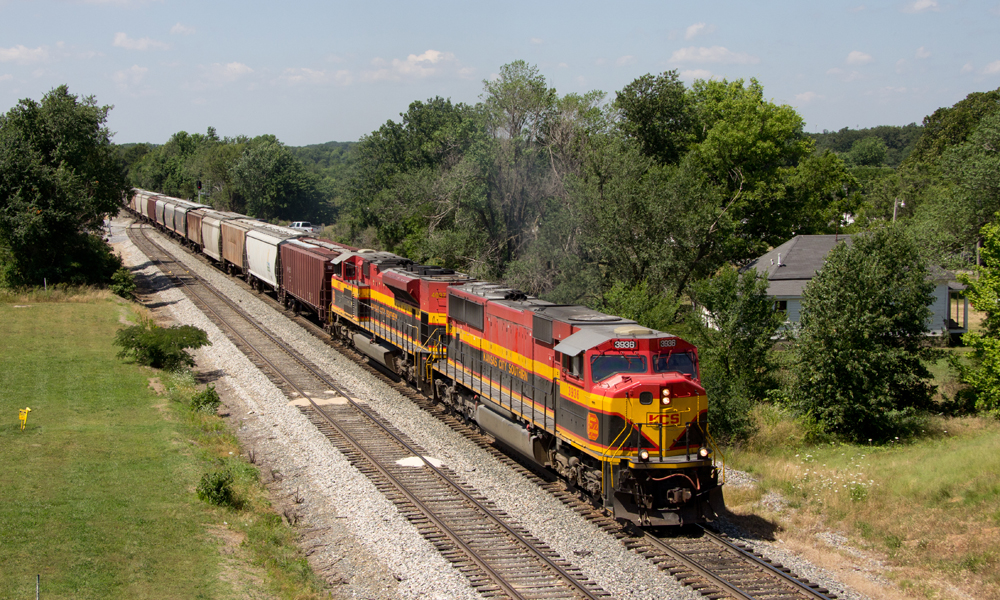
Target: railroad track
{"x": 497, "y": 556}
{"x": 701, "y": 559}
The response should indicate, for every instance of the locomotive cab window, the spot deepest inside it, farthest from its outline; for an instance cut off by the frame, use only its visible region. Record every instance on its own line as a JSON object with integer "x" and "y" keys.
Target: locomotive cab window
{"x": 680, "y": 362}
{"x": 573, "y": 365}
{"x": 349, "y": 271}
{"x": 603, "y": 366}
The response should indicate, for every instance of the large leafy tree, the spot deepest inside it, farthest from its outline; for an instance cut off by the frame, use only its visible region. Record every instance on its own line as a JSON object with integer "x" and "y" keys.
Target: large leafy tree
{"x": 272, "y": 181}
{"x": 983, "y": 375}
{"x": 735, "y": 338}
{"x": 409, "y": 181}
{"x": 863, "y": 326}
{"x": 751, "y": 147}
{"x": 60, "y": 176}
{"x": 658, "y": 113}
{"x": 958, "y": 193}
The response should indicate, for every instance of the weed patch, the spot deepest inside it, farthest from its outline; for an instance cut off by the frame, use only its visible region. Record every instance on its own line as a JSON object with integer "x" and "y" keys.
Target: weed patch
{"x": 206, "y": 400}
{"x": 928, "y": 503}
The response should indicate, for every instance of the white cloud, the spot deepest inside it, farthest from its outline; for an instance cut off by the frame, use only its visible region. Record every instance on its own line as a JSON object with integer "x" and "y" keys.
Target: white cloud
{"x": 417, "y": 66}
{"x": 967, "y": 68}
{"x": 844, "y": 74}
{"x": 311, "y": 76}
{"x": 921, "y": 6}
{"x": 124, "y": 41}
{"x": 6, "y": 77}
{"x": 625, "y": 60}
{"x": 859, "y": 58}
{"x": 715, "y": 54}
{"x": 697, "y": 29}
{"x": 859, "y": 8}
{"x": 696, "y": 74}
{"x": 181, "y": 29}
{"x": 536, "y": 41}
{"x": 807, "y": 97}
{"x": 562, "y": 65}
{"x": 922, "y": 53}
{"x": 992, "y": 68}
{"x": 228, "y": 72}
{"x": 22, "y": 55}
{"x": 130, "y": 76}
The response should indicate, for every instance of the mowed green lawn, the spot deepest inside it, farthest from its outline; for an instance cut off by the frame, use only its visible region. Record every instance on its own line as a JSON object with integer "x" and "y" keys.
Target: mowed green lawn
{"x": 97, "y": 493}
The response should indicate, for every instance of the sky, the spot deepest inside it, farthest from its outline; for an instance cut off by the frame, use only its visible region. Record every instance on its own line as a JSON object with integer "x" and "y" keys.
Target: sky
{"x": 314, "y": 72}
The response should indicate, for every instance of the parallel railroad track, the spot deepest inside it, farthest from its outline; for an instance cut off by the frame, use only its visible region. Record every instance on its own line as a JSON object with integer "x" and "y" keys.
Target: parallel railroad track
{"x": 498, "y": 557}
{"x": 703, "y": 560}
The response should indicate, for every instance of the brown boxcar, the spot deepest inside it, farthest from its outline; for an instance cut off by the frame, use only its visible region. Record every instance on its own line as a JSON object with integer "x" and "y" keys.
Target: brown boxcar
{"x": 194, "y": 218}
{"x": 306, "y": 275}
{"x": 151, "y": 208}
{"x": 234, "y": 239}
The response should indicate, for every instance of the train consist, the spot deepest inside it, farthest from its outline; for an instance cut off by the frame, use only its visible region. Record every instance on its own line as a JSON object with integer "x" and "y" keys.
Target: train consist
{"x": 614, "y": 408}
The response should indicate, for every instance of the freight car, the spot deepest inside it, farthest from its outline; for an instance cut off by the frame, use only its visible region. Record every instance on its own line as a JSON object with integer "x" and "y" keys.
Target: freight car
{"x": 615, "y": 409}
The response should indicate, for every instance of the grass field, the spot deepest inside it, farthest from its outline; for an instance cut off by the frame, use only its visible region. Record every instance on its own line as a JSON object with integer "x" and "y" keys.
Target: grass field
{"x": 929, "y": 507}
{"x": 98, "y": 490}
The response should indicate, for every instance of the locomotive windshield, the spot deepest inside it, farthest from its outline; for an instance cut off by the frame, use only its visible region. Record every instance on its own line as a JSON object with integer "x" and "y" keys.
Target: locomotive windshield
{"x": 604, "y": 366}
{"x": 680, "y": 362}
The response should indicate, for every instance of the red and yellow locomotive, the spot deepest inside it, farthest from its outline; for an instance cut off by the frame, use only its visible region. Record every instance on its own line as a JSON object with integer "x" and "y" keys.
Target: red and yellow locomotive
{"x": 615, "y": 408}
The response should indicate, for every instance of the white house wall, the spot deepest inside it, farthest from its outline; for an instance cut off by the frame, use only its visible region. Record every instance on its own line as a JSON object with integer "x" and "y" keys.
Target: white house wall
{"x": 939, "y": 310}
{"x": 935, "y": 324}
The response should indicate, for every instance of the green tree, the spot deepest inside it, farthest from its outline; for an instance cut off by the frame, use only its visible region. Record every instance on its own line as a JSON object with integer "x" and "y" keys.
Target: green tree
{"x": 511, "y": 163}
{"x": 952, "y": 211}
{"x": 868, "y": 152}
{"x": 272, "y": 181}
{"x": 983, "y": 291}
{"x": 863, "y": 327}
{"x": 641, "y": 304}
{"x": 657, "y": 112}
{"x": 60, "y": 176}
{"x": 403, "y": 187}
{"x": 735, "y": 335}
{"x": 751, "y": 147}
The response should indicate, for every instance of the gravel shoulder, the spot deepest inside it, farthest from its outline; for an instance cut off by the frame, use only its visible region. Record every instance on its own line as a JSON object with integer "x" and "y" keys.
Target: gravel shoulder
{"x": 354, "y": 537}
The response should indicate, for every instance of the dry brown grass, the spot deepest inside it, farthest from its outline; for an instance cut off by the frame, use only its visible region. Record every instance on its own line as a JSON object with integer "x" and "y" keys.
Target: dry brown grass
{"x": 56, "y": 293}
{"x": 929, "y": 509}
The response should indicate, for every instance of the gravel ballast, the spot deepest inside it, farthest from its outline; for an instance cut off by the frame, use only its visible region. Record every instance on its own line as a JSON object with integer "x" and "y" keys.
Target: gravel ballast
{"x": 356, "y": 535}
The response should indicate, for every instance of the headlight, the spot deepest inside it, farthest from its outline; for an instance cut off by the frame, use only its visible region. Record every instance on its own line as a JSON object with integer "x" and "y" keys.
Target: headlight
{"x": 665, "y": 396}
{"x": 643, "y": 455}
{"x": 703, "y": 452}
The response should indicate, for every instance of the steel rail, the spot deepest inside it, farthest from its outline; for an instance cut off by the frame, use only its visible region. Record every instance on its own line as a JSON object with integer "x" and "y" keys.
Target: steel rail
{"x": 795, "y": 581}
{"x": 493, "y": 575}
{"x": 699, "y": 569}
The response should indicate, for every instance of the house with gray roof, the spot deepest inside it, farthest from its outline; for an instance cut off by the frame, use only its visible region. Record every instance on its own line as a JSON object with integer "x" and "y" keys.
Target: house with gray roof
{"x": 791, "y": 266}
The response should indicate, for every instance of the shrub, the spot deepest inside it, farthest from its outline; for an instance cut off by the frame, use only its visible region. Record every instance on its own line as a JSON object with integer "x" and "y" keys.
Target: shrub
{"x": 160, "y": 347}
{"x": 206, "y": 401}
{"x": 123, "y": 283}
{"x": 216, "y": 487}
{"x": 774, "y": 427}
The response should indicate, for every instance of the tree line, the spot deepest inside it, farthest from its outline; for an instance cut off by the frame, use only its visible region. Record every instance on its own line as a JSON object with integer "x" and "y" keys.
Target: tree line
{"x": 645, "y": 204}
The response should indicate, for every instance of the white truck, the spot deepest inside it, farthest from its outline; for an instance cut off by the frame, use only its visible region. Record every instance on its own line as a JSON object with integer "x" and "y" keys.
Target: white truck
{"x": 305, "y": 226}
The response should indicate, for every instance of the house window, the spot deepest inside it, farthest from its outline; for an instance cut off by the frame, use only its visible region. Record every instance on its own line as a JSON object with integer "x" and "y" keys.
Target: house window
{"x": 781, "y": 306}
